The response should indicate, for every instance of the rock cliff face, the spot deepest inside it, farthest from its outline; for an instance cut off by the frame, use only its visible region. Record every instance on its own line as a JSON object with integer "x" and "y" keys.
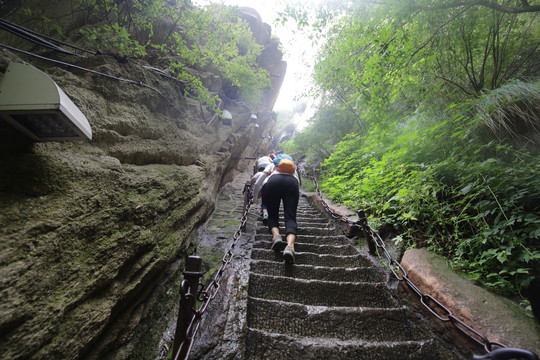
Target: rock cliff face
{"x": 94, "y": 233}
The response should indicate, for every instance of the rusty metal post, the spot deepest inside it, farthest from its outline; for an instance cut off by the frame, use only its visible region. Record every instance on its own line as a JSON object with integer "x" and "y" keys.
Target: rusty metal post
{"x": 247, "y": 197}
{"x": 362, "y": 221}
{"x": 188, "y": 300}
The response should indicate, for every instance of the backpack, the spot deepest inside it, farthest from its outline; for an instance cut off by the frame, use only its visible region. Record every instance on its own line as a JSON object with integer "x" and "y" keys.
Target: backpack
{"x": 284, "y": 164}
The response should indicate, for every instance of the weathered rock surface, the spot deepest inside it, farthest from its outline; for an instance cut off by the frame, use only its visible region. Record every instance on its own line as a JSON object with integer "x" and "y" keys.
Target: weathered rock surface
{"x": 93, "y": 233}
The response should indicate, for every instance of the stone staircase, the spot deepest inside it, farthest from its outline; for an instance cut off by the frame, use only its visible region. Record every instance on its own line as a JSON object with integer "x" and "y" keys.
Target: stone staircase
{"x": 334, "y": 303}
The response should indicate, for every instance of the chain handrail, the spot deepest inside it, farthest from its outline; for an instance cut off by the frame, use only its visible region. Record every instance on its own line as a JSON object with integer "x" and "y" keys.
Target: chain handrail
{"x": 207, "y": 294}
{"x": 429, "y": 302}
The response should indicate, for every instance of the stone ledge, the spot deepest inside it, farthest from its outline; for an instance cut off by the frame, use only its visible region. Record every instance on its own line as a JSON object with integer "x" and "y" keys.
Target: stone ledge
{"x": 497, "y": 318}
{"x": 348, "y": 229}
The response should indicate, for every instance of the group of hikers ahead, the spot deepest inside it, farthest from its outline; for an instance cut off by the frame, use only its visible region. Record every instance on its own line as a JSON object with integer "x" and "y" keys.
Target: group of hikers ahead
{"x": 276, "y": 179}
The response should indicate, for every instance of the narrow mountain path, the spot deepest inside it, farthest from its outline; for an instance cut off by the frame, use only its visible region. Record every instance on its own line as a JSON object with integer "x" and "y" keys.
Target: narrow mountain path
{"x": 333, "y": 303}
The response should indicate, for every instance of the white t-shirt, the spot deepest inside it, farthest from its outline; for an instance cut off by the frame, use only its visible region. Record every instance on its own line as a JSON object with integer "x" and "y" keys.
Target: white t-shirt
{"x": 256, "y": 189}
{"x": 265, "y": 160}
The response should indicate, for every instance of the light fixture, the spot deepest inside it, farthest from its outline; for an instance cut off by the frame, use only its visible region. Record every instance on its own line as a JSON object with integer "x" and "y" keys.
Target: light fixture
{"x": 227, "y": 117}
{"x": 32, "y": 102}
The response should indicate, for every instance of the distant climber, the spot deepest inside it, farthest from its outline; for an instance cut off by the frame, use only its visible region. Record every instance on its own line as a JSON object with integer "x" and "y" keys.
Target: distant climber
{"x": 262, "y": 162}
{"x": 257, "y": 190}
{"x": 281, "y": 183}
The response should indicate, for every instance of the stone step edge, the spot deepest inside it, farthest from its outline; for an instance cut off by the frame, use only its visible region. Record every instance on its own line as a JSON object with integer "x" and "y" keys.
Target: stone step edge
{"x": 311, "y": 281}
{"x": 330, "y": 246}
{"x": 304, "y": 228}
{"x": 319, "y": 255}
{"x": 334, "y": 342}
{"x": 318, "y": 309}
{"x": 303, "y": 224}
{"x": 320, "y": 267}
{"x": 300, "y": 236}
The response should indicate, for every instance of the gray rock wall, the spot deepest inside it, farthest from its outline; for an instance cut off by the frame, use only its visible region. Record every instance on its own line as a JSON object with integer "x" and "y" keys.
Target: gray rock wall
{"x": 93, "y": 234}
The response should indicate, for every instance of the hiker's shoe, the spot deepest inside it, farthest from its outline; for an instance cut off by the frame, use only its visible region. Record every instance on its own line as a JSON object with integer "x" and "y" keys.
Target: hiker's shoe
{"x": 277, "y": 243}
{"x": 288, "y": 255}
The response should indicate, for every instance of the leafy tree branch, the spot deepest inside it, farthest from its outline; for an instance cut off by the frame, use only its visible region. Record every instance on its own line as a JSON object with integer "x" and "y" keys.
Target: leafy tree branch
{"x": 525, "y": 8}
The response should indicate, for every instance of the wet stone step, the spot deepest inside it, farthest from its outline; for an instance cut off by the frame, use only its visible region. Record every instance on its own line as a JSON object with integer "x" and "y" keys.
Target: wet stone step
{"x": 307, "y": 258}
{"x": 303, "y": 229}
{"x": 321, "y": 293}
{"x": 363, "y": 324}
{"x": 301, "y": 218}
{"x": 311, "y": 239}
{"x": 313, "y": 248}
{"x": 271, "y": 346}
{"x": 308, "y": 213}
{"x": 309, "y": 272}
{"x": 317, "y": 216}
{"x": 306, "y": 221}
{"x": 306, "y": 216}
{"x": 316, "y": 231}
{"x": 307, "y": 210}
{"x": 302, "y": 207}
{"x": 302, "y": 223}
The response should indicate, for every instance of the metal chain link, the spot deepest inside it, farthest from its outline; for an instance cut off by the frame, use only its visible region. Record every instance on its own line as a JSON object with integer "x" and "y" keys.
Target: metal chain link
{"x": 429, "y": 302}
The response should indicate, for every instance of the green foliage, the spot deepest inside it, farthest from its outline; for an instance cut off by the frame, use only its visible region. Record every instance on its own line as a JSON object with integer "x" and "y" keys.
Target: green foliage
{"x": 114, "y": 40}
{"x": 436, "y": 185}
{"x": 327, "y": 127}
{"x": 308, "y": 185}
{"x": 212, "y": 38}
{"x": 422, "y": 107}
{"x": 512, "y": 110}
{"x": 383, "y": 61}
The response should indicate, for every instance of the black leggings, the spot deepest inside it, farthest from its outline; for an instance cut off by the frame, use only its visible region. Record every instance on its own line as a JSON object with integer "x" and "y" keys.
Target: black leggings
{"x": 281, "y": 187}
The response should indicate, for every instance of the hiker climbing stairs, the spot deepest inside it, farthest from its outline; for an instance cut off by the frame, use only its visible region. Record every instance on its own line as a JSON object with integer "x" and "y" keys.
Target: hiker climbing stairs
{"x": 333, "y": 303}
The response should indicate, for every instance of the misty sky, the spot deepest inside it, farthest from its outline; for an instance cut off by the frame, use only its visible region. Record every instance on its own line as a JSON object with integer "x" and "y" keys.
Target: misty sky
{"x": 298, "y": 49}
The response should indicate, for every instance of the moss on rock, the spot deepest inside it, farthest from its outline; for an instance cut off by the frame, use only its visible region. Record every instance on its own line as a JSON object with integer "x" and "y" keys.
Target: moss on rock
{"x": 93, "y": 233}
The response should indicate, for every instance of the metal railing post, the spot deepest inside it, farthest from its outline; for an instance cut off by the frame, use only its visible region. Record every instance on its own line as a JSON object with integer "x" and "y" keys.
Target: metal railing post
{"x": 247, "y": 198}
{"x": 362, "y": 221}
{"x": 188, "y": 299}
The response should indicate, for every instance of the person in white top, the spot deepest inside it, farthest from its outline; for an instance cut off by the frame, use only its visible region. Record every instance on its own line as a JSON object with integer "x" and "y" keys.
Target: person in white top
{"x": 257, "y": 194}
{"x": 263, "y": 162}
{"x": 260, "y": 165}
